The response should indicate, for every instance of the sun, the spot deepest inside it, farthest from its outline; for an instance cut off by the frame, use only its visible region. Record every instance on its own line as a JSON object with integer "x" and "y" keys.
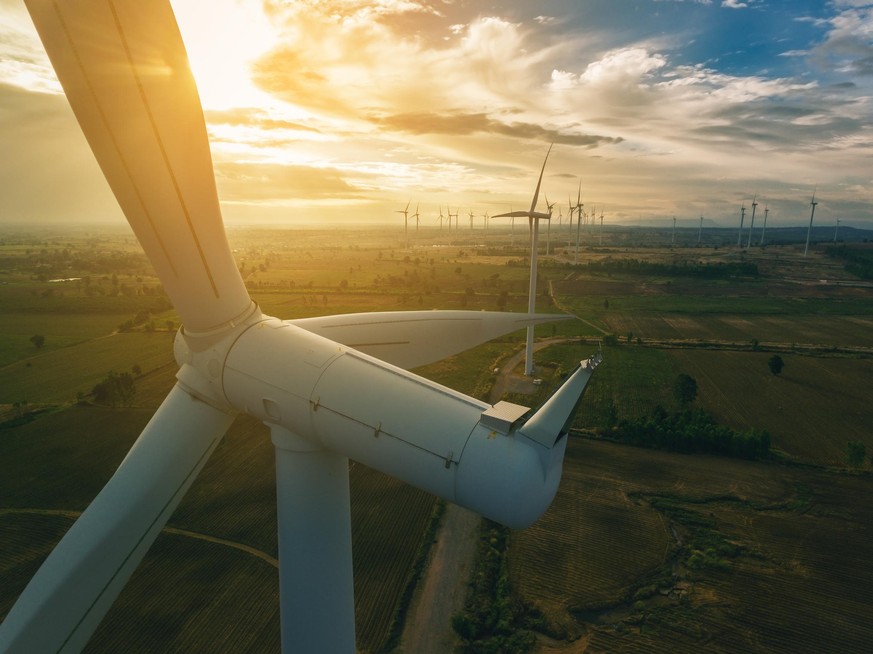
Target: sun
{"x": 223, "y": 38}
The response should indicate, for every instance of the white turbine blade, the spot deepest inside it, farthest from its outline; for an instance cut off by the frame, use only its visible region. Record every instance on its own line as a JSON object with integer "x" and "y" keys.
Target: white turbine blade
{"x": 125, "y": 72}
{"x": 554, "y": 417}
{"x": 533, "y": 204}
{"x": 513, "y": 214}
{"x": 414, "y": 338}
{"x": 71, "y": 592}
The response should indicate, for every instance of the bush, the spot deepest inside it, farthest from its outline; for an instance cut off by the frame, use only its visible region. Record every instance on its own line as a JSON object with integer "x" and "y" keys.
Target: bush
{"x": 115, "y": 390}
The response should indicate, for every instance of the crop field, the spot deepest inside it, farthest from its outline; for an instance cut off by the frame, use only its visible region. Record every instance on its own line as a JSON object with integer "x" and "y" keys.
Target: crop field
{"x": 811, "y": 409}
{"x": 642, "y": 551}
{"x": 652, "y": 552}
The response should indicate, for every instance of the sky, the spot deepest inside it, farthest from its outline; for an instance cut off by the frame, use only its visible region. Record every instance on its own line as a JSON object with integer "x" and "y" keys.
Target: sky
{"x": 333, "y": 111}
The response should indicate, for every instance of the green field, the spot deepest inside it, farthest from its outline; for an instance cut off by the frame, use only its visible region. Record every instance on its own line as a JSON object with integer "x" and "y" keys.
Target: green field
{"x": 643, "y": 551}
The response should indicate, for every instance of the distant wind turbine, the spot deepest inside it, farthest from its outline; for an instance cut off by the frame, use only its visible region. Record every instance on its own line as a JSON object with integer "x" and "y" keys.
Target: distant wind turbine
{"x": 533, "y": 217}
{"x": 549, "y": 225}
{"x": 836, "y": 229}
{"x": 700, "y": 231}
{"x": 672, "y": 240}
{"x": 601, "y": 226}
{"x": 812, "y": 203}
{"x": 764, "y": 228}
{"x": 742, "y": 220}
{"x": 415, "y": 215}
{"x": 752, "y": 221}
{"x": 405, "y": 212}
{"x": 471, "y": 219}
{"x": 578, "y": 208}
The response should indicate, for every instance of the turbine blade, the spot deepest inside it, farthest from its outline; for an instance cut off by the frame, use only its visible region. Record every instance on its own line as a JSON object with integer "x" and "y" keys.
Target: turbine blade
{"x": 74, "y": 588}
{"x": 533, "y": 205}
{"x": 125, "y": 72}
{"x": 513, "y": 214}
{"x": 415, "y": 338}
{"x": 553, "y": 418}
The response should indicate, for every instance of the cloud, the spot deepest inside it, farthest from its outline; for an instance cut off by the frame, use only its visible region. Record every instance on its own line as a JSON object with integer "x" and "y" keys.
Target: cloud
{"x": 470, "y": 123}
{"x": 848, "y": 46}
{"x": 259, "y": 182}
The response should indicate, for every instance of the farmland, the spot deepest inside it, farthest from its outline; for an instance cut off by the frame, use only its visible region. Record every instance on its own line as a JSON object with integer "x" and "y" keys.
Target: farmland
{"x": 641, "y": 551}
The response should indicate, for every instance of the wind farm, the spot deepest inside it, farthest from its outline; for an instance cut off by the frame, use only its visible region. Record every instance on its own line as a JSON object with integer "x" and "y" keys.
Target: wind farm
{"x": 200, "y": 417}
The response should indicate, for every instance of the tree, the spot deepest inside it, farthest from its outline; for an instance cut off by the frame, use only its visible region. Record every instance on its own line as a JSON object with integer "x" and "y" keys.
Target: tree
{"x": 685, "y": 389}
{"x": 775, "y": 363}
{"x": 856, "y": 452}
{"x": 38, "y": 341}
{"x": 115, "y": 390}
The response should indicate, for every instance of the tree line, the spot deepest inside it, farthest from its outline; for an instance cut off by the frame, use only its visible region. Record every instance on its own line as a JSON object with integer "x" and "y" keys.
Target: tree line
{"x": 691, "y": 431}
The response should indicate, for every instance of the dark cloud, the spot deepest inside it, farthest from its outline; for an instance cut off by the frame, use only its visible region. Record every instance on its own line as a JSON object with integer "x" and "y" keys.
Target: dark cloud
{"x": 459, "y": 123}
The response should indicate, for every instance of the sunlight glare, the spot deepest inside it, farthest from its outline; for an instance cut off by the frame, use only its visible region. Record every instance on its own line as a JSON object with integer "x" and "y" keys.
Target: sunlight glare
{"x": 223, "y": 38}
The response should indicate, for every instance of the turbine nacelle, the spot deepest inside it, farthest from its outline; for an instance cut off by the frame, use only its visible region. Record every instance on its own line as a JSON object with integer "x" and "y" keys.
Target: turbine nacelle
{"x": 493, "y": 460}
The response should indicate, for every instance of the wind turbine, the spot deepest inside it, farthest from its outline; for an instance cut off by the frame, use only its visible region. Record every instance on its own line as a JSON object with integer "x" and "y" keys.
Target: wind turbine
{"x": 405, "y": 212}
{"x": 812, "y": 203}
{"x": 579, "y": 206}
{"x": 742, "y": 220}
{"x": 471, "y": 220}
{"x": 124, "y": 70}
{"x": 441, "y": 217}
{"x": 549, "y": 208}
{"x": 752, "y": 221}
{"x": 601, "y": 226}
{"x": 533, "y": 218}
{"x": 700, "y": 231}
{"x": 570, "y": 209}
{"x": 415, "y": 215}
{"x": 672, "y": 240}
{"x": 836, "y": 229}
{"x": 764, "y": 228}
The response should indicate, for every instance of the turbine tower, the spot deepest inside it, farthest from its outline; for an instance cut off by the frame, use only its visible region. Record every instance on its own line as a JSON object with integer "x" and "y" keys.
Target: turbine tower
{"x": 673, "y": 240}
{"x": 415, "y": 215}
{"x": 700, "y": 231}
{"x": 125, "y": 72}
{"x": 836, "y": 229}
{"x": 533, "y": 217}
{"x": 812, "y": 204}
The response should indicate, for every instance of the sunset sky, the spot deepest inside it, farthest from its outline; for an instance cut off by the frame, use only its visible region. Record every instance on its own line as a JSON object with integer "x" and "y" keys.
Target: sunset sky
{"x": 345, "y": 110}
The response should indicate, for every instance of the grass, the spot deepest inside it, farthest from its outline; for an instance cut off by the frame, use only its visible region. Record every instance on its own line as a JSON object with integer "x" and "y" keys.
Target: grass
{"x": 56, "y": 376}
